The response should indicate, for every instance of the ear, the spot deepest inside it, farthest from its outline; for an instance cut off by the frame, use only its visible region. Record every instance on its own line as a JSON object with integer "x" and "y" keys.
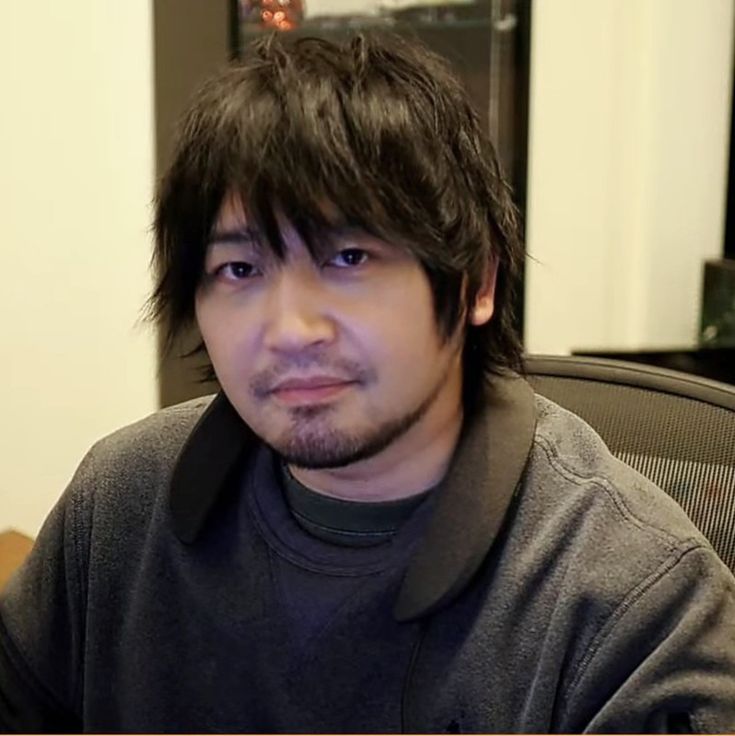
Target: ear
{"x": 484, "y": 304}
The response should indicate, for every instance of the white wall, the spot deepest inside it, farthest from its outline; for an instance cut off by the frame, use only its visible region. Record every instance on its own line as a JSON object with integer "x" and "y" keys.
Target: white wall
{"x": 76, "y": 146}
{"x": 629, "y": 127}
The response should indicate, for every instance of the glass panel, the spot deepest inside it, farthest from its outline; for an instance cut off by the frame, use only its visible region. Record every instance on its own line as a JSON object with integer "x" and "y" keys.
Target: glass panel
{"x": 483, "y": 39}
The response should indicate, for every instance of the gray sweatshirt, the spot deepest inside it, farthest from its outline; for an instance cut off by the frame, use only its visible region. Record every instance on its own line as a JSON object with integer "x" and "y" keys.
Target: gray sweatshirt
{"x": 545, "y": 587}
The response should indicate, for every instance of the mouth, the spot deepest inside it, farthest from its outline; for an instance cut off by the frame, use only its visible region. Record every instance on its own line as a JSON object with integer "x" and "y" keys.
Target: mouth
{"x": 310, "y": 390}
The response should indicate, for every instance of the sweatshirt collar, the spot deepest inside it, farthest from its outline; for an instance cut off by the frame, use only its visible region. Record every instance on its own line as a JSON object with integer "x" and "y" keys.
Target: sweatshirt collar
{"x": 472, "y": 502}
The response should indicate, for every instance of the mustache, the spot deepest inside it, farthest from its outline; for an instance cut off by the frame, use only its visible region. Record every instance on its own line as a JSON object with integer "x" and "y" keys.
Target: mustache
{"x": 263, "y": 382}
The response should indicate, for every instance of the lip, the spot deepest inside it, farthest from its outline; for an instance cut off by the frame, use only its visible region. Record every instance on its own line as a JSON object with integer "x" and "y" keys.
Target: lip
{"x": 311, "y": 389}
{"x": 310, "y": 382}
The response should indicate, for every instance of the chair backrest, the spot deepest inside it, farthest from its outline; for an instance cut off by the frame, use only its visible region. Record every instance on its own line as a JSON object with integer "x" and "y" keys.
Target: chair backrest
{"x": 676, "y": 429}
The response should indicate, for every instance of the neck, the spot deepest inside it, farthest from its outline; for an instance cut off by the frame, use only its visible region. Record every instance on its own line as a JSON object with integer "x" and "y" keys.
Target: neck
{"x": 414, "y": 463}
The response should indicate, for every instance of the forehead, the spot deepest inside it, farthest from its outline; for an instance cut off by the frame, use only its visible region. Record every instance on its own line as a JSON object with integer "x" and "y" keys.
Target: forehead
{"x": 276, "y": 236}
{"x": 232, "y": 225}
{"x": 232, "y": 211}
{"x": 233, "y": 215}
{"x": 230, "y": 215}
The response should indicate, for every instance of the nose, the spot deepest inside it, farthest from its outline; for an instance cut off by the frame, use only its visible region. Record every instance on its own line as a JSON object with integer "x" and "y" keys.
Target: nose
{"x": 297, "y": 315}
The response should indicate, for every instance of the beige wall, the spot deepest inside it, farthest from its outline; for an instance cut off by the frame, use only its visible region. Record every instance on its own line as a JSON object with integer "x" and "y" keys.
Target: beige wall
{"x": 630, "y": 113}
{"x": 76, "y": 146}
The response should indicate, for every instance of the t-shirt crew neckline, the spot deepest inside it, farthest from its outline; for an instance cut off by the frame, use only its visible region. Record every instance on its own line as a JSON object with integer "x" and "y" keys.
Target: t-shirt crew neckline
{"x": 268, "y": 504}
{"x": 344, "y": 522}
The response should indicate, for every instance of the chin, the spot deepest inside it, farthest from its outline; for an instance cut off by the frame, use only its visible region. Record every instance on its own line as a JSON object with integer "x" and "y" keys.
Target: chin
{"x": 321, "y": 454}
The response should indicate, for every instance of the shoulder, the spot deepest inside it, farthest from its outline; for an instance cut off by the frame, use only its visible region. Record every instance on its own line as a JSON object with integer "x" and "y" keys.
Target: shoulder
{"x": 151, "y": 444}
{"x": 161, "y": 433}
{"x": 86, "y": 545}
{"x": 587, "y": 475}
{"x": 593, "y": 523}
{"x": 127, "y": 472}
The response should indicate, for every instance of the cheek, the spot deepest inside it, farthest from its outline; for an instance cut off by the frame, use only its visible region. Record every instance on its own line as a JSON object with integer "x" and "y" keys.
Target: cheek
{"x": 225, "y": 336}
{"x": 399, "y": 326}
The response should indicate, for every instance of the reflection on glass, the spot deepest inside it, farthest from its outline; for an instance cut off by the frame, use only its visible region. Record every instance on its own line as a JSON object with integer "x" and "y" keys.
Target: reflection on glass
{"x": 350, "y": 14}
{"x": 483, "y": 39}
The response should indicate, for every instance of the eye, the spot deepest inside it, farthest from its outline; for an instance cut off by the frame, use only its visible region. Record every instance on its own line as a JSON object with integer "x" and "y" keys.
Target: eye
{"x": 349, "y": 258}
{"x": 235, "y": 271}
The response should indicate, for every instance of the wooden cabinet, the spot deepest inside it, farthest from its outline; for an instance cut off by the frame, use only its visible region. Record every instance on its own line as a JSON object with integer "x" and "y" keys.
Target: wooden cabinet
{"x": 14, "y": 547}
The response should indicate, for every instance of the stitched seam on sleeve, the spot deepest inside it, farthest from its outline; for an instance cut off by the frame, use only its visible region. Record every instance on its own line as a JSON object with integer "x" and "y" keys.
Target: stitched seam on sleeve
{"x": 627, "y": 603}
{"x": 604, "y": 484}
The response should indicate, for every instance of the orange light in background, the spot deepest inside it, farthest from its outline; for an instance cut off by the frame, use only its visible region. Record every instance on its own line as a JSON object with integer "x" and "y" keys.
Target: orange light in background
{"x": 278, "y": 15}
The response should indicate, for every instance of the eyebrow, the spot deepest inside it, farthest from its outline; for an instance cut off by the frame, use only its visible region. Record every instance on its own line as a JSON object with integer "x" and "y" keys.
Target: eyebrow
{"x": 237, "y": 236}
{"x": 344, "y": 228}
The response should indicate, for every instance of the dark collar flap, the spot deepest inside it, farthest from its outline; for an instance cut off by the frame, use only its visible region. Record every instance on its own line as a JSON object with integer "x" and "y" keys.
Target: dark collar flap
{"x": 474, "y": 498}
{"x": 205, "y": 465}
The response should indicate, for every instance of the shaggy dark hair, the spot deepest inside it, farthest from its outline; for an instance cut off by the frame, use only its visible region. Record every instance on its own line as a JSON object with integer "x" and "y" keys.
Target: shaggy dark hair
{"x": 381, "y": 130}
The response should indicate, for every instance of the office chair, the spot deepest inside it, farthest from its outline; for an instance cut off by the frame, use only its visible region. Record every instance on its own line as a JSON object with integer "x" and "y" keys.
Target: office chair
{"x": 676, "y": 429}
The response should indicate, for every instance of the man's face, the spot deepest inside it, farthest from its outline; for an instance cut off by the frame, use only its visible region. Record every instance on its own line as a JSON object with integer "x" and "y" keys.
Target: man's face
{"x": 330, "y": 362}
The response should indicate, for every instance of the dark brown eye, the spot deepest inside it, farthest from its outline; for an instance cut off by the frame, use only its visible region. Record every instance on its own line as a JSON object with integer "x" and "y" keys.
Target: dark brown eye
{"x": 236, "y": 270}
{"x": 349, "y": 258}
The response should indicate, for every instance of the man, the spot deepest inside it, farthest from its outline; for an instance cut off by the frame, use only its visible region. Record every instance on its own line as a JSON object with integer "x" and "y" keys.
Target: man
{"x": 376, "y": 526}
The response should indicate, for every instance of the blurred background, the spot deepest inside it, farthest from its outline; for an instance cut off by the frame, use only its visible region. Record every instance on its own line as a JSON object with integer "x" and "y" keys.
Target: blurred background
{"x": 613, "y": 119}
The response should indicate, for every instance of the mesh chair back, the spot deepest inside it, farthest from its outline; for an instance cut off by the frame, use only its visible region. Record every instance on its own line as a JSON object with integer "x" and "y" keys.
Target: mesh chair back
{"x": 676, "y": 429}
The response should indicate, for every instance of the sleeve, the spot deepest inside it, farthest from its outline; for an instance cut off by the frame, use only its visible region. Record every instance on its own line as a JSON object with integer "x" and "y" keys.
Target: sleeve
{"x": 42, "y": 624}
{"x": 665, "y": 660}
